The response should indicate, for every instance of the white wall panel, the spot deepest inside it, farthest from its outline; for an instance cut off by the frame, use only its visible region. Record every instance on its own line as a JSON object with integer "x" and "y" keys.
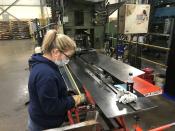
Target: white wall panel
{"x": 27, "y": 12}
{"x": 20, "y": 2}
{"x": 115, "y": 14}
{"x": 113, "y": 1}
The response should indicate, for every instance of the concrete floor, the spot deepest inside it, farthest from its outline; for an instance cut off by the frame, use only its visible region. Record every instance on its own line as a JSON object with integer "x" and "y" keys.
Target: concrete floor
{"x": 14, "y": 56}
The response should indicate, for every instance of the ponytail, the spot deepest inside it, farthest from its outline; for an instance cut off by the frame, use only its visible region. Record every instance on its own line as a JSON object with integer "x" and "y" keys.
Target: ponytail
{"x": 60, "y": 41}
{"x": 48, "y": 41}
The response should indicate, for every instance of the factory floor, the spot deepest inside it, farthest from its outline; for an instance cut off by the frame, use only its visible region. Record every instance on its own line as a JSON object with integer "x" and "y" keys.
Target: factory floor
{"x": 14, "y": 55}
{"x": 13, "y": 84}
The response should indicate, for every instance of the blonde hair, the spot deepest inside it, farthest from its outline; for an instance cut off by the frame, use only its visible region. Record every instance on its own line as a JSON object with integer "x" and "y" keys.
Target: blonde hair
{"x": 60, "y": 41}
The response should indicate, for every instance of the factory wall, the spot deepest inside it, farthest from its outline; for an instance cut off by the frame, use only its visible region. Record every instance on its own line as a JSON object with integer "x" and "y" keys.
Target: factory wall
{"x": 22, "y": 9}
{"x": 114, "y": 15}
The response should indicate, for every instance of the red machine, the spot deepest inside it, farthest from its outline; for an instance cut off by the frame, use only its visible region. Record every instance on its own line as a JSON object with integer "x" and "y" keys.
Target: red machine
{"x": 89, "y": 107}
{"x": 148, "y": 76}
{"x": 81, "y": 109}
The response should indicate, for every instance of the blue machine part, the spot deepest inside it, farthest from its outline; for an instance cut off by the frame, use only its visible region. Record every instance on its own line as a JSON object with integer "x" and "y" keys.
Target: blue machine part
{"x": 162, "y": 2}
{"x": 165, "y": 12}
{"x": 119, "y": 49}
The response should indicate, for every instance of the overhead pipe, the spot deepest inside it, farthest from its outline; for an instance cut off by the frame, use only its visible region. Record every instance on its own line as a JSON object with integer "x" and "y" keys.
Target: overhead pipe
{"x": 148, "y": 45}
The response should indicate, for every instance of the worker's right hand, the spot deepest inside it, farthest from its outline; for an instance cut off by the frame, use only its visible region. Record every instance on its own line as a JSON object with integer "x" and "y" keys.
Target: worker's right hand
{"x": 79, "y": 99}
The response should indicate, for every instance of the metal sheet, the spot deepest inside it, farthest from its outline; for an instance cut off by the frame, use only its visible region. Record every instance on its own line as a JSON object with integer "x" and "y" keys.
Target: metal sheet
{"x": 142, "y": 104}
{"x": 66, "y": 79}
{"x": 69, "y": 85}
{"x": 165, "y": 12}
{"x": 114, "y": 67}
{"x": 105, "y": 99}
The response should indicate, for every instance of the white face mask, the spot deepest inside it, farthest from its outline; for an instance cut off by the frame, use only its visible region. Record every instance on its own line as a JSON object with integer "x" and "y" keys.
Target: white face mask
{"x": 66, "y": 61}
{"x": 62, "y": 62}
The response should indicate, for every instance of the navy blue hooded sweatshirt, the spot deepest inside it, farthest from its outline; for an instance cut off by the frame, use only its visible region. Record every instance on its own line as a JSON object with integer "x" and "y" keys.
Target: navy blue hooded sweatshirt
{"x": 49, "y": 101}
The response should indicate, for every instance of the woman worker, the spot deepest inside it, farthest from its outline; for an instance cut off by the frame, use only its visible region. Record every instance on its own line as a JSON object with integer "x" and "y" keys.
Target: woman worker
{"x": 49, "y": 101}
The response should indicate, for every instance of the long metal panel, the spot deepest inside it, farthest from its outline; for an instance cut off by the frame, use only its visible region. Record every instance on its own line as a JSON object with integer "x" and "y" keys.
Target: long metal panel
{"x": 114, "y": 67}
{"x": 104, "y": 97}
{"x": 165, "y": 12}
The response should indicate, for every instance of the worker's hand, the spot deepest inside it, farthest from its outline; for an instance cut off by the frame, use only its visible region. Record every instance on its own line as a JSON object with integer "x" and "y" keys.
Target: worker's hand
{"x": 79, "y": 99}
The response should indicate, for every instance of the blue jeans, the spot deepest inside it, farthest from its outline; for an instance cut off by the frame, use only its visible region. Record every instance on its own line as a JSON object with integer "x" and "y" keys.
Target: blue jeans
{"x": 33, "y": 126}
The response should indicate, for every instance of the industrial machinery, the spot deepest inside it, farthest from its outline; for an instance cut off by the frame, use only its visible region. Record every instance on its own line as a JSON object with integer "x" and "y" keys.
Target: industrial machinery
{"x": 39, "y": 31}
{"x": 83, "y": 20}
{"x": 99, "y": 77}
{"x": 138, "y": 15}
{"x": 95, "y": 75}
{"x": 162, "y": 24}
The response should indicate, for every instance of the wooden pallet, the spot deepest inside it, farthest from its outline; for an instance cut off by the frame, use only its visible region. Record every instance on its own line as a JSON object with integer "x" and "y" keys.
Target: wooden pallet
{"x": 5, "y": 30}
{"x": 20, "y": 29}
{"x": 14, "y": 30}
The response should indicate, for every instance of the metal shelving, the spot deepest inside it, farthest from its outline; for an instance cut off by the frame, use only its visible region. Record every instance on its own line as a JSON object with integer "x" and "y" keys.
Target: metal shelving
{"x": 153, "y": 51}
{"x": 148, "y": 45}
{"x": 159, "y": 34}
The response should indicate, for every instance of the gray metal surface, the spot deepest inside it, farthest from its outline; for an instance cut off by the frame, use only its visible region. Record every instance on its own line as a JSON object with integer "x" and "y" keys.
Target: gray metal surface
{"x": 116, "y": 68}
{"x": 142, "y": 104}
{"x": 70, "y": 87}
{"x": 66, "y": 79}
{"x": 104, "y": 97}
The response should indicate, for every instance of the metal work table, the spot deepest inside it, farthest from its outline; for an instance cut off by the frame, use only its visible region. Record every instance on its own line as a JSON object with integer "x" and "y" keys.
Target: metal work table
{"x": 104, "y": 97}
{"x": 116, "y": 68}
